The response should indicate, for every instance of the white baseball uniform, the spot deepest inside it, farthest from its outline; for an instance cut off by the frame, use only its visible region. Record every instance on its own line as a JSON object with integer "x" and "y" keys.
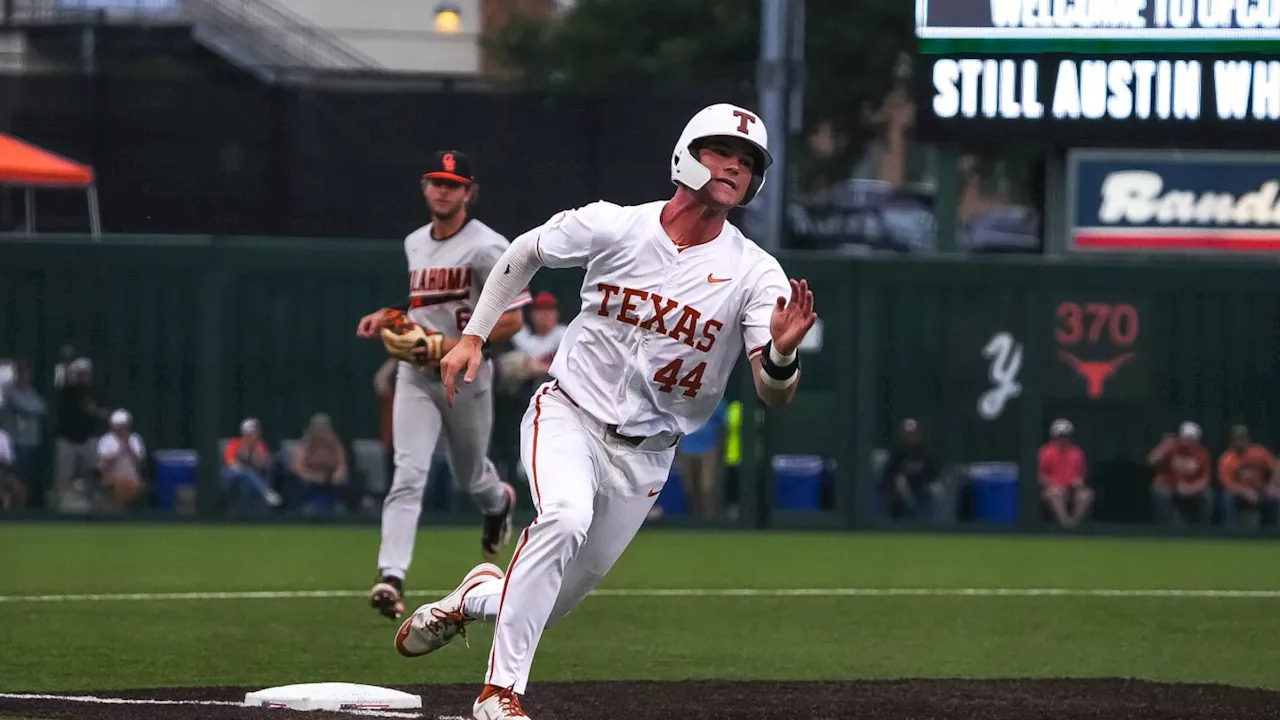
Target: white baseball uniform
{"x": 645, "y": 361}
{"x": 445, "y": 279}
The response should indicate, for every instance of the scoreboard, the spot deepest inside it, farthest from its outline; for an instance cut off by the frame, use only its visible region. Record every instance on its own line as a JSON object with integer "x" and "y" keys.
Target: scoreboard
{"x": 1134, "y": 73}
{"x": 1095, "y": 25}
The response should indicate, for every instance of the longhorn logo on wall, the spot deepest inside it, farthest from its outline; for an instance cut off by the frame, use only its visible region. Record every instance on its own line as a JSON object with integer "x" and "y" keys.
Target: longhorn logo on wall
{"x": 1089, "y": 327}
{"x": 1005, "y": 355}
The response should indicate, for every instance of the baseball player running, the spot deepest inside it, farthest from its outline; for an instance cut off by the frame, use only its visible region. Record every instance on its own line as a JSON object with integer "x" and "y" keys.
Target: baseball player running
{"x": 672, "y": 294}
{"x": 449, "y": 260}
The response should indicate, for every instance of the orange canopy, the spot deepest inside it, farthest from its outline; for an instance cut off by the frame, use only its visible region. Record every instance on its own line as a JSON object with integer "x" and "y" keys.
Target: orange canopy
{"x": 25, "y": 164}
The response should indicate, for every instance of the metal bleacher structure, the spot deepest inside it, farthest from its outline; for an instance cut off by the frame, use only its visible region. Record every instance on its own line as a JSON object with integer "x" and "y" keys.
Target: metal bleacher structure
{"x": 259, "y": 36}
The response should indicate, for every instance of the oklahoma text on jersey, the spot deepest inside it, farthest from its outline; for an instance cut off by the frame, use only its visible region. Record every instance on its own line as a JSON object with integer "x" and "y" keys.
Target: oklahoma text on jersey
{"x": 446, "y": 275}
{"x": 428, "y": 286}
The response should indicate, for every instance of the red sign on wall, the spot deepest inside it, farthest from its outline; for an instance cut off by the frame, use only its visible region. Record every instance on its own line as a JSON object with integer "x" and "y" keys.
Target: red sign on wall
{"x": 1097, "y": 341}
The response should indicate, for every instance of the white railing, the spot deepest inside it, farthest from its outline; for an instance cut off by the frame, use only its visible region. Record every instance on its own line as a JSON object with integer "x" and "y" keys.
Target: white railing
{"x": 282, "y": 31}
{"x": 258, "y": 33}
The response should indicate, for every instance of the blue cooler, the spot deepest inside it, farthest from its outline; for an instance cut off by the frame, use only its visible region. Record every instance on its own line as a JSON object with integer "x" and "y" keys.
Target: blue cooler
{"x": 175, "y": 479}
{"x": 671, "y": 500}
{"x": 995, "y": 492}
{"x": 797, "y": 482}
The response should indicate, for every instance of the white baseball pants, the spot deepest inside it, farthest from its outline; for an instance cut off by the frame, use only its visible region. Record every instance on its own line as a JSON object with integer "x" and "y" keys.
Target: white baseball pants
{"x": 419, "y": 417}
{"x": 593, "y": 491}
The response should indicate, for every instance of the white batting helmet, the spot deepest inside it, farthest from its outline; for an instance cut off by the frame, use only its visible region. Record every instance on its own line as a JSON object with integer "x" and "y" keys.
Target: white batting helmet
{"x": 720, "y": 120}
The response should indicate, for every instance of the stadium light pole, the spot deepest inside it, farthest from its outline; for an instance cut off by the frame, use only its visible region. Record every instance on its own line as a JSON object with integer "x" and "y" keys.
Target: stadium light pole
{"x": 781, "y": 63}
{"x": 795, "y": 65}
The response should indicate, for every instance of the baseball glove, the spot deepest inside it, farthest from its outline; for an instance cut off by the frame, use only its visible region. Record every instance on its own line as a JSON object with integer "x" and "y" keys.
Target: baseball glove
{"x": 400, "y": 336}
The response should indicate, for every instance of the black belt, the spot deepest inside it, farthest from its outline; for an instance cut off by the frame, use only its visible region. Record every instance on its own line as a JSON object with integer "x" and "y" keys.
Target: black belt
{"x": 631, "y": 440}
{"x": 634, "y": 441}
{"x": 628, "y": 439}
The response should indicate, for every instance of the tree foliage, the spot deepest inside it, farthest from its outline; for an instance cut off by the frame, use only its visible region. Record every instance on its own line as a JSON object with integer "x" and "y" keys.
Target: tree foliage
{"x": 852, "y": 50}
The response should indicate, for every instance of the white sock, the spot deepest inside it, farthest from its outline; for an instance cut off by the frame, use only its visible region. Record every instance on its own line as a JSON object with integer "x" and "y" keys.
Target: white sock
{"x": 482, "y": 602}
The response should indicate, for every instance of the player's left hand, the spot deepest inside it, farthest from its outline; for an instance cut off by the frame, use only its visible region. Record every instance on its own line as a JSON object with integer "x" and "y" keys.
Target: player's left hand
{"x": 465, "y": 356}
{"x": 792, "y": 318}
{"x": 370, "y": 324}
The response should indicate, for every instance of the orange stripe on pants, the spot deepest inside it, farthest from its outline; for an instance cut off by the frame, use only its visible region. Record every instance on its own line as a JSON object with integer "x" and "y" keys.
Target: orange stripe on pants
{"x": 524, "y": 536}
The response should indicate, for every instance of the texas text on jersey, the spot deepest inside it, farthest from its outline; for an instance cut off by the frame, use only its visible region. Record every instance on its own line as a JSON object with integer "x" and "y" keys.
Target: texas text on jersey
{"x": 447, "y": 275}
{"x": 657, "y": 330}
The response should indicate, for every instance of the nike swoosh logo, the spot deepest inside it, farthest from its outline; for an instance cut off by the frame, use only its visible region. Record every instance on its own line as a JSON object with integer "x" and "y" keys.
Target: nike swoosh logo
{"x": 654, "y": 493}
{"x": 713, "y": 280}
{"x": 508, "y": 270}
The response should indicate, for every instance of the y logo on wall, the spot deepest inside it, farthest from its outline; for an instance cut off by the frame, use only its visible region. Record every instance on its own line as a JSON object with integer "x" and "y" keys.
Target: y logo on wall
{"x": 1005, "y": 357}
{"x": 1097, "y": 345}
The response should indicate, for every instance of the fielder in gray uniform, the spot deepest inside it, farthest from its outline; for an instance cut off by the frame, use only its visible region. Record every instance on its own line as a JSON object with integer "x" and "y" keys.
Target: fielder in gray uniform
{"x": 449, "y": 261}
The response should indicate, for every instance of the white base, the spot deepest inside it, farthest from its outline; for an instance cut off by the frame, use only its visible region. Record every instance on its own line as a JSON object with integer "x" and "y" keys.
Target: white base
{"x": 333, "y": 696}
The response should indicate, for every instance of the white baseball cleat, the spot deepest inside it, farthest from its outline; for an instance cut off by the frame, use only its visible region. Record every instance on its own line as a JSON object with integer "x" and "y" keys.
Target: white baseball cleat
{"x": 497, "y": 703}
{"x": 436, "y": 624}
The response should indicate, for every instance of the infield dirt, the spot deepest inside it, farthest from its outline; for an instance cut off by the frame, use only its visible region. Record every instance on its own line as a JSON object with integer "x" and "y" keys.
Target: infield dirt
{"x": 883, "y": 700}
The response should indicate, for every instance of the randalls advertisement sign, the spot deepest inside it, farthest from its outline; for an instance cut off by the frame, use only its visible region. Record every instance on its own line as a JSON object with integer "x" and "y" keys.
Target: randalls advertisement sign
{"x": 1173, "y": 201}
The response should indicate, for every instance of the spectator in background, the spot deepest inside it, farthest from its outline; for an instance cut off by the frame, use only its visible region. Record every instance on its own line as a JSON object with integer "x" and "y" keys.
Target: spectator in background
{"x": 24, "y": 411}
{"x": 536, "y": 344}
{"x": 1063, "y": 471}
{"x": 120, "y": 461}
{"x": 320, "y": 462}
{"x": 66, "y": 355}
{"x": 247, "y": 467}
{"x": 699, "y": 454}
{"x": 1270, "y": 505}
{"x": 989, "y": 219}
{"x": 78, "y": 420}
{"x": 1182, "y": 466}
{"x": 13, "y": 496}
{"x": 1245, "y": 471}
{"x": 911, "y": 477}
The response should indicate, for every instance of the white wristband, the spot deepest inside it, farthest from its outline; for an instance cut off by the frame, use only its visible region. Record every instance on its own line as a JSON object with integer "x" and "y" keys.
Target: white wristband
{"x": 777, "y": 384}
{"x": 782, "y": 360}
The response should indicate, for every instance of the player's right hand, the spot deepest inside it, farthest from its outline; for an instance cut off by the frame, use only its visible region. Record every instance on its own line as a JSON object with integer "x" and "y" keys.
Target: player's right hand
{"x": 370, "y": 324}
{"x": 465, "y": 356}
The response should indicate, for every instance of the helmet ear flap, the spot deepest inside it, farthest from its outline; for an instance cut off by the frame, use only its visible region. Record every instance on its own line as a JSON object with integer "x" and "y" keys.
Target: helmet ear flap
{"x": 686, "y": 170}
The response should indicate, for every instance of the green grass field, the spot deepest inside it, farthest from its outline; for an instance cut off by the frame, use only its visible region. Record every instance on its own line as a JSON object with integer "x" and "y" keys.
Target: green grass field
{"x": 104, "y": 644}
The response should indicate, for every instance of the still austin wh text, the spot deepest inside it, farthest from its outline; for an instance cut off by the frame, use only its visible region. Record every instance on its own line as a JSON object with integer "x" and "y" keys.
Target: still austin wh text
{"x": 1099, "y": 89}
